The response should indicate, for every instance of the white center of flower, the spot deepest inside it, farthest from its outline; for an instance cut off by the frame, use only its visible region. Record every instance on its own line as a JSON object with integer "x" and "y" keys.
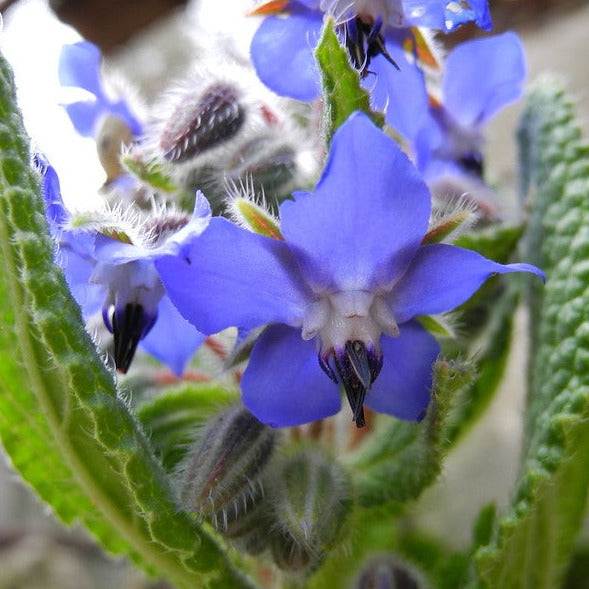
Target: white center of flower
{"x": 136, "y": 283}
{"x": 348, "y": 316}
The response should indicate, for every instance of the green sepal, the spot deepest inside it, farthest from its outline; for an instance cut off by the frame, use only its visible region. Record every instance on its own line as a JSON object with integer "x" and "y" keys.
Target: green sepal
{"x": 534, "y": 539}
{"x": 436, "y": 325}
{"x": 151, "y": 174}
{"x": 62, "y": 422}
{"x": 342, "y": 92}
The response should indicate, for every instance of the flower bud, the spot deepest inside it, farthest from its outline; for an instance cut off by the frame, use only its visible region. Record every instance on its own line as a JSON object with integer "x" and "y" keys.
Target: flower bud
{"x": 388, "y": 572}
{"x": 220, "y": 477}
{"x": 310, "y": 494}
{"x": 198, "y": 125}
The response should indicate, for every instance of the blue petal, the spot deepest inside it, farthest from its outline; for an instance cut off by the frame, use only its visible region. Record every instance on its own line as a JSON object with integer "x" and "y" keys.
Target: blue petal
{"x": 75, "y": 257}
{"x": 403, "y": 387}
{"x": 172, "y": 340}
{"x": 122, "y": 110}
{"x": 368, "y": 215}
{"x": 428, "y": 140}
{"x": 55, "y": 211}
{"x": 79, "y": 67}
{"x": 425, "y": 13}
{"x": 231, "y": 277}
{"x": 476, "y": 10}
{"x": 283, "y": 384}
{"x": 201, "y": 217}
{"x": 282, "y": 53}
{"x": 442, "y": 277}
{"x": 472, "y": 98}
{"x": 401, "y": 94}
{"x": 84, "y": 116}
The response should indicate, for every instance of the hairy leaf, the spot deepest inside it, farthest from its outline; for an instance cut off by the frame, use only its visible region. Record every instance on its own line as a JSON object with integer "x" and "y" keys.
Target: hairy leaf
{"x": 61, "y": 421}
{"x": 532, "y": 545}
{"x": 342, "y": 91}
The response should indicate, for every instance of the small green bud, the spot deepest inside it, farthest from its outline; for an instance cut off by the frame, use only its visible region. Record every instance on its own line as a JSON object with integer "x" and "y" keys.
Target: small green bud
{"x": 221, "y": 474}
{"x": 388, "y": 572}
{"x": 311, "y": 495}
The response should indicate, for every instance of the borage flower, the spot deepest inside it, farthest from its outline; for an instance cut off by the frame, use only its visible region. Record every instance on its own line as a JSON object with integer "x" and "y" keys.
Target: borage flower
{"x": 481, "y": 77}
{"x": 79, "y": 67}
{"x": 381, "y": 38}
{"x": 345, "y": 284}
{"x": 112, "y": 269}
{"x": 374, "y": 32}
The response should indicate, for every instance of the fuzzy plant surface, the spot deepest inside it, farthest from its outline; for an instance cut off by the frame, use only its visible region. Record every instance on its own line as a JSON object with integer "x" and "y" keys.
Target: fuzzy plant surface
{"x": 534, "y": 540}
{"x": 173, "y": 472}
{"x": 63, "y": 423}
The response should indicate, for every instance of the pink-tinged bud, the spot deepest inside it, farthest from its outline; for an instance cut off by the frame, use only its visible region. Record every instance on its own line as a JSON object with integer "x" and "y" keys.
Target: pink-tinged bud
{"x": 198, "y": 125}
{"x": 221, "y": 475}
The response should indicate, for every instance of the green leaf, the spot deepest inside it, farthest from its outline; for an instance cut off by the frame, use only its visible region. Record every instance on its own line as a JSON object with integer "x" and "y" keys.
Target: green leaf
{"x": 342, "y": 91}
{"x": 61, "y": 421}
{"x": 401, "y": 460}
{"x": 173, "y": 418}
{"x": 534, "y": 539}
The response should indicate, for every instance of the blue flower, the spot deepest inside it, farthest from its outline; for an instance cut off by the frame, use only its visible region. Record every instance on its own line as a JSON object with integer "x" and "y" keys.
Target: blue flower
{"x": 481, "y": 77}
{"x": 120, "y": 278}
{"x": 373, "y": 30}
{"x": 345, "y": 285}
{"x": 79, "y": 67}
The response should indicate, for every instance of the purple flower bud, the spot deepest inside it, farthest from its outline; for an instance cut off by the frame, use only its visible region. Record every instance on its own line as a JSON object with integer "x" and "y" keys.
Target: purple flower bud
{"x": 199, "y": 125}
{"x": 220, "y": 477}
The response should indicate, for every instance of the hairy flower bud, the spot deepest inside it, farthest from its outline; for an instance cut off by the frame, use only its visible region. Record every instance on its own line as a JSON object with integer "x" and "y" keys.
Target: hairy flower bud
{"x": 310, "y": 494}
{"x": 388, "y": 572}
{"x": 199, "y": 125}
{"x": 220, "y": 477}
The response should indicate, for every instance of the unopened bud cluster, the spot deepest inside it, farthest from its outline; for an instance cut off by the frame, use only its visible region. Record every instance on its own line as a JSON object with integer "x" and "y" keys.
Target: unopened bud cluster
{"x": 216, "y": 128}
{"x": 291, "y": 505}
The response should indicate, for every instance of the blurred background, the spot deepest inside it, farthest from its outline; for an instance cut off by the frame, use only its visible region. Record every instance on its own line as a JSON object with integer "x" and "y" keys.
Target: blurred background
{"x": 148, "y": 44}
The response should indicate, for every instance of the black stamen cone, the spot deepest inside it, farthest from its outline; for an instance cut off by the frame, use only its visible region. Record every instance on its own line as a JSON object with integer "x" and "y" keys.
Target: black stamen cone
{"x": 363, "y": 40}
{"x": 196, "y": 127}
{"x": 128, "y": 329}
{"x": 473, "y": 163}
{"x": 357, "y": 367}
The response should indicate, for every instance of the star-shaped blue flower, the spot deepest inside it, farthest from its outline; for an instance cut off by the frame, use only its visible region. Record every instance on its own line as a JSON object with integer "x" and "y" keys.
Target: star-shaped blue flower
{"x": 481, "y": 77}
{"x": 345, "y": 286}
{"x": 121, "y": 280}
{"x": 79, "y": 67}
{"x": 374, "y": 31}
